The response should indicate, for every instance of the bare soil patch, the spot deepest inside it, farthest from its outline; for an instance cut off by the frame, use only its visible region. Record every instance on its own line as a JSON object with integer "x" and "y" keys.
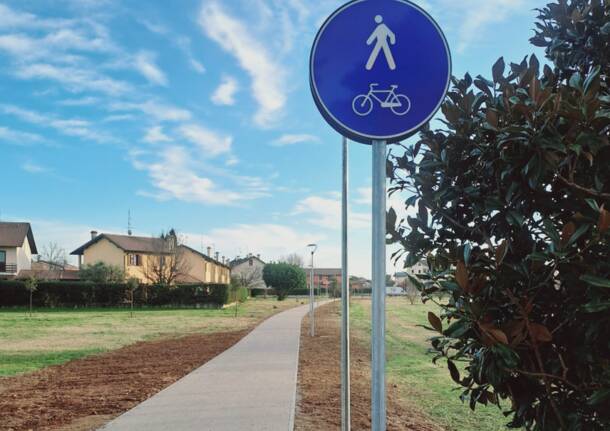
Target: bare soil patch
{"x": 319, "y": 383}
{"x": 85, "y": 393}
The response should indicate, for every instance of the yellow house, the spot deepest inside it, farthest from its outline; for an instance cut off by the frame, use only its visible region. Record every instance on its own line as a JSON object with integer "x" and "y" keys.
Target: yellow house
{"x": 153, "y": 260}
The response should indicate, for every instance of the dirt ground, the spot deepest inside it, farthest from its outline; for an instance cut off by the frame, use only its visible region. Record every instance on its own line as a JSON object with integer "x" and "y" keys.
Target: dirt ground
{"x": 319, "y": 383}
{"x": 84, "y": 394}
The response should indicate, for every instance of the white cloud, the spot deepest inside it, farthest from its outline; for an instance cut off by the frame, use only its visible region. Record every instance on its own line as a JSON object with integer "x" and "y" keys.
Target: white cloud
{"x": 476, "y": 15}
{"x": 155, "y": 134}
{"x": 33, "y": 168}
{"x": 84, "y": 101}
{"x": 154, "y": 27}
{"x": 208, "y": 141}
{"x": 175, "y": 176}
{"x": 326, "y": 212}
{"x": 225, "y": 93}
{"x": 268, "y": 76}
{"x": 184, "y": 43}
{"x": 73, "y": 78}
{"x": 197, "y": 65}
{"x": 270, "y": 240}
{"x": 68, "y": 127}
{"x": 290, "y": 139}
{"x": 18, "y": 137}
{"x": 158, "y": 111}
{"x": 145, "y": 64}
{"x": 11, "y": 19}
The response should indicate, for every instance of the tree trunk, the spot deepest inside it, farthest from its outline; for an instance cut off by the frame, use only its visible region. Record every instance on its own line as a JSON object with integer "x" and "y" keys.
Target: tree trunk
{"x": 31, "y": 294}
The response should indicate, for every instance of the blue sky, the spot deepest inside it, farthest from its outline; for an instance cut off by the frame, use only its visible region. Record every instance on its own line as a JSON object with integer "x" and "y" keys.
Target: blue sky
{"x": 195, "y": 114}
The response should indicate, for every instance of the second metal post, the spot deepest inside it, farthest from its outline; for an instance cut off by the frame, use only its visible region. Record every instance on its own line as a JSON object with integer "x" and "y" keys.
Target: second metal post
{"x": 345, "y": 295}
{"x": 378, "y": 398}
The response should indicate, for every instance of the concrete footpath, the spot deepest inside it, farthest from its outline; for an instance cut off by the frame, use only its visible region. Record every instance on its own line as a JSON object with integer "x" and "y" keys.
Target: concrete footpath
{"x": 251, "y": 386}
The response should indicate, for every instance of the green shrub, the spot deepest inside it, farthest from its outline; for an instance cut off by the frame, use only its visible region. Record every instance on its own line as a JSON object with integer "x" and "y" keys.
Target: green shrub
{"x": 284, "y": 278}
{"x": 89, "y": 294}
{"x": 512, "y": 200}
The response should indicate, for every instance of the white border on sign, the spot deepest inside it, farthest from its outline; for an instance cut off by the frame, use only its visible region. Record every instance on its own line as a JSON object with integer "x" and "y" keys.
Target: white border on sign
{"x": 319, "y": 100}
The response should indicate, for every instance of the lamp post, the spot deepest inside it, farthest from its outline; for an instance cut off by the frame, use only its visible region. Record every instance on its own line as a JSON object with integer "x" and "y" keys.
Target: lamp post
{"x": 313, "y": 248}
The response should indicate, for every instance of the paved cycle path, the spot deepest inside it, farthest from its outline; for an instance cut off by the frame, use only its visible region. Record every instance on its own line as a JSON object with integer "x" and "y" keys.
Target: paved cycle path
{"x": 251, "y": 386}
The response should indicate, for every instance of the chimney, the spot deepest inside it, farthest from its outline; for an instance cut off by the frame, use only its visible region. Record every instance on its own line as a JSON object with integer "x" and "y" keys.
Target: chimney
{"x": 93, "y": 234}
{"x": 217, "y": 254}
{"x": 223, "y": 260}
{"x": 258, "y": 256}
{"x": 210, "y": 251}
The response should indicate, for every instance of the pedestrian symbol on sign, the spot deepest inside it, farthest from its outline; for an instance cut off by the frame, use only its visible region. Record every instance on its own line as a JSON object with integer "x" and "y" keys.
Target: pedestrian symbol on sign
{"x": 384, "y": 37}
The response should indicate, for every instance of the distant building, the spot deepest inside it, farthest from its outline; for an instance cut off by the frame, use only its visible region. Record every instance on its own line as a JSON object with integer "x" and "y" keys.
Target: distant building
{"x": 137, "y": 255}
{"x": 394, "y": 291}
{"x": 323, "y": 277}
{"x": 42, "y": 265}
{"x": 359, "y": 284}
{"x": 17, "y": 246}
{"x": 420, "y": 267}
{"x": 250, "y": 269}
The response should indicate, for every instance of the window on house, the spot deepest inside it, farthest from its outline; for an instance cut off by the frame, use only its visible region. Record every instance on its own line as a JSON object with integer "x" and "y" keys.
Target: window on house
{"x": 135, "y": 260}
{"x": 251, "y": 262}
{"x": 2, "y": 260}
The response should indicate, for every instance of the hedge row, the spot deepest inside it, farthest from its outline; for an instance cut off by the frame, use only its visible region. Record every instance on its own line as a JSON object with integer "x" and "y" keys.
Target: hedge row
{"x": 87, "y": 294}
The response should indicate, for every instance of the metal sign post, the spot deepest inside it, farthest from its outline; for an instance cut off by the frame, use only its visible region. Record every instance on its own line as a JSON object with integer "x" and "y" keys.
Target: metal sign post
{"x": 312, "y": 300}
{"x": 378, "y": 409}
{"x": 345, "y": 296}
{"x": 379, "y": 70}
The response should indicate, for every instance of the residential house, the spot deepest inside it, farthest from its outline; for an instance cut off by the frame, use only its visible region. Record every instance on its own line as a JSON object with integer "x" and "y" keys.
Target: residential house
{"x": 324, "y": 277}
{"x": 359, "y": 284}
{"x": 17, "y": 246}
{"x": 420, "y": 267}
{"x": 250, "y": 270}
{"x": 151, "y": 258}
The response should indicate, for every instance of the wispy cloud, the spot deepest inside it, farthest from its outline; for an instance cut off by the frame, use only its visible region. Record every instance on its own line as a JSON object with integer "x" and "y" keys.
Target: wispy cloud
{"x": 268, "y": 239}
{"x": 157, "y": 110}
{"x": 225, "y": 93}
{"x": 290, "y": 139}
{"x": 17, "y": 137}
{"x": 145, "y": 63}
{"x": 325, "y": 211}
{"x": 73, "y": 78}
{"x": 268, "y": 76}
{"x": 184, "y": 43}
{"x": 208, "y": 141}
{"x": 83, "y": 101}
{"x": 69, "y": 127}
{"x": 175, "y": 175}
{"x": 155, "y": 135}
{"x": 477, "y": 15}
{"x": 33, "y": 168}
{"x": 12, "y": 19}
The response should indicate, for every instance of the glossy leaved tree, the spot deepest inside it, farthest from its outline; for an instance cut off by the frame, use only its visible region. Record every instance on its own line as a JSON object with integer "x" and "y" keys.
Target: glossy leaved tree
{"x": 513, "y": 200}
{"x": 284, "y": 277}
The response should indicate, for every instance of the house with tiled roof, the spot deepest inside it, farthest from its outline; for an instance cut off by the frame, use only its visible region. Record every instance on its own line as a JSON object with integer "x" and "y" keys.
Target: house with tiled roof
{"x": 249, "y": 270}
{"x": 140, "y": 256}
{"x": 17, "y": 246}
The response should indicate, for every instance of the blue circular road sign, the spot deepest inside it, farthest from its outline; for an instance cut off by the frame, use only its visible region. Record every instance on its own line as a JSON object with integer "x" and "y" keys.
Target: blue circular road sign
{"x": 379, "y": 69}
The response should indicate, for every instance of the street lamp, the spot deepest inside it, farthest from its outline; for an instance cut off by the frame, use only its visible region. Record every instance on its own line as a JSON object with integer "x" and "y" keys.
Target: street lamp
{"x": 312, "y": 248}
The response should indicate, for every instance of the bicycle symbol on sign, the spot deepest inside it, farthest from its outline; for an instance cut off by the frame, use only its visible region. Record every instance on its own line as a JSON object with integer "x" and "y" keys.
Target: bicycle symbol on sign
{"x": 399, "y": 104}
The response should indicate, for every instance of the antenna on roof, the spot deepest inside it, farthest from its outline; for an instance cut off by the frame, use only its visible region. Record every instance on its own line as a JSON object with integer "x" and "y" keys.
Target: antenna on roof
{"x": 129, "y": 222}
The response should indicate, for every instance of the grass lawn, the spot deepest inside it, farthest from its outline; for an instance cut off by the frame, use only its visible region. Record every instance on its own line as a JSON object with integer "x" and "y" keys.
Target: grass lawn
{"x": 422, "y": 383}
{"x": 54, "y": 336}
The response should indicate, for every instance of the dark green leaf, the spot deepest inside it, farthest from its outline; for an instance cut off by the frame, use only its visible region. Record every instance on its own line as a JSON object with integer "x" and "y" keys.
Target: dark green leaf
{"x": 435, "y": 322}
{"x": 455, "y": 374}
{"x": 595, "y": 281}
{"x": 498, "y": 70}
